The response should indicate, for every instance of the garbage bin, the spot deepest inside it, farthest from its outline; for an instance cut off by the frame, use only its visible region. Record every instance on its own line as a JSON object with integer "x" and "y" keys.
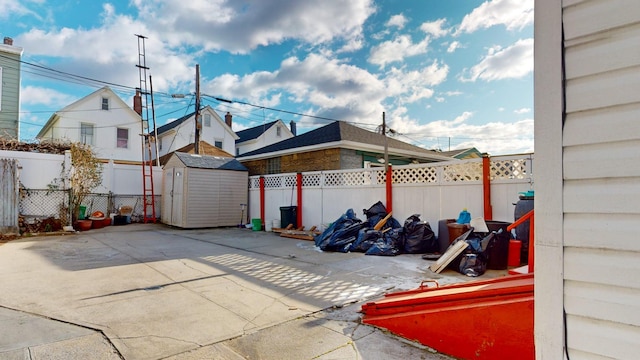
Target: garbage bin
{"x": 523, "y": 206}
{"x": 498, "y": 249}
{"x": 256, "y": 224}
{"x": 82, "y": 212}
{"x": 456, "y": 230}
{"x": 288, "y": 215}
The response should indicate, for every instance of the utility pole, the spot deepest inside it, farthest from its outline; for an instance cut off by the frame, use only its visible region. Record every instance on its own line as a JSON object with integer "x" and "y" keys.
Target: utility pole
{"x": 386, "y": 146}
{"x": 196, "y": 145}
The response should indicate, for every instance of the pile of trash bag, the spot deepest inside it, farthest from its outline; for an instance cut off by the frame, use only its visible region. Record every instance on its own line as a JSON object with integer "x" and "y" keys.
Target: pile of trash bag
{"x": 350, "y": 234}
{"x": 473, "y": 260}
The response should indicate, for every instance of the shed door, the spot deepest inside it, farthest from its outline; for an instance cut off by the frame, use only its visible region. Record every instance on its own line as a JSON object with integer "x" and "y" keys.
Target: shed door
{"x": 176, "y": 196}
{"x": 172, "y": 201}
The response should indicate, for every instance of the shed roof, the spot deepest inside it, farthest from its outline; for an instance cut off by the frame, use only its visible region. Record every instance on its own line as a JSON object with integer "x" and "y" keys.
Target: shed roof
{"x": 209, "y": 162}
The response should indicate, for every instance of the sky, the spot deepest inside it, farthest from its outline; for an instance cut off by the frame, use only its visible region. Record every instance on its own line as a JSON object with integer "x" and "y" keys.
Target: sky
{"x": 447, "y": 75}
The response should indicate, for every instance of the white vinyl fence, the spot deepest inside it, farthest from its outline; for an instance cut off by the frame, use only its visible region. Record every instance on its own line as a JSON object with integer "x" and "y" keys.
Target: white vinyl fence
{"x": 436, "y": 191}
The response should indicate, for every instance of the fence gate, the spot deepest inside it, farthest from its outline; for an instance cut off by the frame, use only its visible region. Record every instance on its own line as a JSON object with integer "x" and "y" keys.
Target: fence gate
{"x": 9, "y": 196}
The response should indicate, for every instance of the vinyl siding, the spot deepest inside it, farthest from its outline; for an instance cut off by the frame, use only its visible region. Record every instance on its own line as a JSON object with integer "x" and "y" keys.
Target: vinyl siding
{"x": 601, "y": 172}
{"x": 9, "y": 94}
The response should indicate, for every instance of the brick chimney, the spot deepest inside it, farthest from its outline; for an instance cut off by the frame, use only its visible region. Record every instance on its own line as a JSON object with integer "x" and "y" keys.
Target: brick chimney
{"x": 8, "y": 41}
{"x": 137, "y": 102}
{"x": 228, "y": 119}
{"x": 292, "y": 124}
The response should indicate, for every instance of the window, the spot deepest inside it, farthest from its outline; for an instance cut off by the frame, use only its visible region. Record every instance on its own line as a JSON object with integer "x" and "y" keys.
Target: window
{"x": 86, "y": 134}
{"x": 105, "y": 103}
{"x": 278, "y": 131}
{"x": 218, "y": 144}
{"x": 273, "y": 166}
{"x": 160, "y": 143}
{"x": 123, "y": 138}
{"x": 207, "y": 120}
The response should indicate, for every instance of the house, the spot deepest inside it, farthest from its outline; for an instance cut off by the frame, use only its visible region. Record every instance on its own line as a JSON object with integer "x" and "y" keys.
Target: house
{"x": 9, "y": 89}
{"x": 461, "y": 154}
{"x": 101, "y": 119}
{"x": 263, "y": 135}
{"x": 181, "y": 132}
{"x": 587, "y": 133}
{"x": 335, "y": 146}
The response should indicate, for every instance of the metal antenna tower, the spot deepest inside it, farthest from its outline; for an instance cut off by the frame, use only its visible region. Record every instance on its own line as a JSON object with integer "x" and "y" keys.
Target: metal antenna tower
{"x": 149, "y": 208}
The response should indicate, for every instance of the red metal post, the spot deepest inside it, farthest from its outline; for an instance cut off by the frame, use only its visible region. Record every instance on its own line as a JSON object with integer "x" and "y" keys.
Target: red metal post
{"x": 389, "y": 181}
{"x": 262, "y": 200}
{"x": 531, "y": 243}
{"x": 299, "y": 186}
{"x": 486, "y": 186}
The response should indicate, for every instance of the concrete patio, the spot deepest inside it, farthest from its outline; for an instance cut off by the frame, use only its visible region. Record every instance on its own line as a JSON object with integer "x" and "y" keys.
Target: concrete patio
{"x": 148, "y": 291}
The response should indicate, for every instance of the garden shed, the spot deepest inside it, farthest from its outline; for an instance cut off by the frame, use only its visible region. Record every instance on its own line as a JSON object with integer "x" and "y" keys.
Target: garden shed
{"x": 200, "y": 191}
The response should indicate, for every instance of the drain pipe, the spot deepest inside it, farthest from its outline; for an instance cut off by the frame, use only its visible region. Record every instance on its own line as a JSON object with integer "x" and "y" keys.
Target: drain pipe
{"x": 486, "y": 186}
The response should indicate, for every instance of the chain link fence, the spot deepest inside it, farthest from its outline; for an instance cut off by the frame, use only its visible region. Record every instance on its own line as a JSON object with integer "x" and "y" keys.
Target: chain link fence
{"x": 44, "y": 210}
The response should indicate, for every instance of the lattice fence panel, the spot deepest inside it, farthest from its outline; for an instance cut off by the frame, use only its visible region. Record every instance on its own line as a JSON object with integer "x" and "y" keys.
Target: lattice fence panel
{"x": 311, "y": 180}
{"x": 415, "y": 175}
{"x": 471, "y": 171}
{"x": 254, "y": 183}
{"x": 347, "y": 179}
{"x": 509, "y": 169}
{"x": 289, "y": 181}
{"x": 273, "y": 182}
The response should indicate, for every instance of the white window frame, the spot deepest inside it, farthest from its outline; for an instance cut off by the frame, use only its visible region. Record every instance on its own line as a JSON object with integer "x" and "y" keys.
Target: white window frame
{"x": 105, "y": 103}
{"x": 83, "y": 135}
{"x": 118, "y": 138}
{"x": 216, "y": 142}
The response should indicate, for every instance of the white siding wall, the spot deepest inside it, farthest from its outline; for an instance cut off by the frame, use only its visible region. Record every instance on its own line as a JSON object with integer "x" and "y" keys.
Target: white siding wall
{"x": 267, "y": 138}
{"x": 105, "y": 122}
{"x": 601, "y": 177}
{"x": 184, "y": 134}
{"x": 212, "y": 198}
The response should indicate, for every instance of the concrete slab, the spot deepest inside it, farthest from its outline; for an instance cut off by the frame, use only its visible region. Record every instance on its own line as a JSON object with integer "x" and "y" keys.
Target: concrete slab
{"x": 160, "y": 292}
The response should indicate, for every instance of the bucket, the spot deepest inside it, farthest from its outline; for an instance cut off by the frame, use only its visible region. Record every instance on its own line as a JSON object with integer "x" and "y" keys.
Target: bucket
{"x": 268, "y": 225}
{"x": 257, "y": 224}
{"x": 82, "y": 212}
{"x": 276, "y": 224}
{"x": 514, "y": 252}
{"x": 456, "y": 230}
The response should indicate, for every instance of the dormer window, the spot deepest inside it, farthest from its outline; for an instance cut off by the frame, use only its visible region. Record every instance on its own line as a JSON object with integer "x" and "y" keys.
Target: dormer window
{"x": 207, "y": 120}
{"x": 105, "y": 103}
{"x": 278, "y": 131}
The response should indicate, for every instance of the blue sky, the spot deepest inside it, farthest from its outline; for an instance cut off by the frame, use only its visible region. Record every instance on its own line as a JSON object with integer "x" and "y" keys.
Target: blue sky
{"x": 448, "y": 74}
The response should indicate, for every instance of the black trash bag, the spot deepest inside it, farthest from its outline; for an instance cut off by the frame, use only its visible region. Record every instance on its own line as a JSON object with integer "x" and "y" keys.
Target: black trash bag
{"x": 473, "y": 261}
{"x": 376, "y": 209}
{"x": 390, "y": 244}
{"x": 366, "y": 238}
{"x": 336, "y": 231}
{"x": 419, "y": 238}
{"x": 472, "y": 264}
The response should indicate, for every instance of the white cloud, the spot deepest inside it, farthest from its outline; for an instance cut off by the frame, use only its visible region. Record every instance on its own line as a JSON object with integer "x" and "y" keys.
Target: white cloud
{"x": 398, "y": 21}
{"x": 453, "y": 93}
{"x": 32, "y": 95}
{"x": 454, "y": 46}
{"x": 224, "y": 25}
{"x": 12, "y": 9}
{"x": 522, "y": 111}
{"x": 411, "y": 86}
{"x": 434, "y": 28}
{"x": 440, "y": 99}
{"x": 515, "y": 61}
{"x": 396, "y": 50}
{"x": 513, "y": 14}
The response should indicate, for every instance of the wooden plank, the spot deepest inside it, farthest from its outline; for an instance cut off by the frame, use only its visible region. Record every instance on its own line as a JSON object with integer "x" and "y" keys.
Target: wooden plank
{"x": 297, "y": 236}
{"x": 448, "y": 256}
{"x": 381, "y": 223}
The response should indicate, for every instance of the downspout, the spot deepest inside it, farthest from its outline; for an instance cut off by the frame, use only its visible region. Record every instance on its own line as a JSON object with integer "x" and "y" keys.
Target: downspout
{"x": 299, "y": 193}
{"x": 486, "y": 186}
{"x": 262, "y": 199}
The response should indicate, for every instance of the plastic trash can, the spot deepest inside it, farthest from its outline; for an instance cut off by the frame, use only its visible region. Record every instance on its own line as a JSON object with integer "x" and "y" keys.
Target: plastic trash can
{"x": 288, "y": 215}
{"x": 257, "y": 224}
{"x": 82, "y": 212}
